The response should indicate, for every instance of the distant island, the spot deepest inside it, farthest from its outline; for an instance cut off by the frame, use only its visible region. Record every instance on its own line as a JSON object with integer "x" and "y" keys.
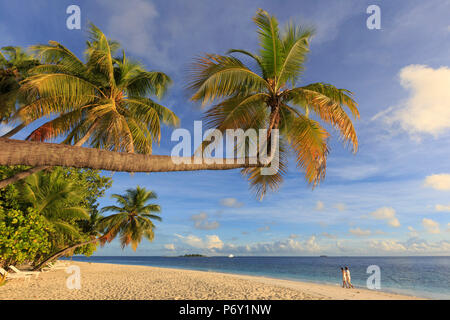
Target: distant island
{"x": 193, "y": 256}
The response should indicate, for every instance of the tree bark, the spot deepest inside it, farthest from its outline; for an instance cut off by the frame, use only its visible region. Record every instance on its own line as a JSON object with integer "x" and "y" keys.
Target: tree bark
{"x": 31, "y": 153}
{"x": 22, "y": 175}
{"x": 12, "y": 132}
{"x": 62, "y": 252}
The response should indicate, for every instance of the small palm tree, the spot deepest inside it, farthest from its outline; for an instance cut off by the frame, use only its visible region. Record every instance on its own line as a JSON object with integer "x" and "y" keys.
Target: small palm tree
{"x": 57, "y": 200}
{"x": 265, "y": 94}
{"x": 132, "y": 219}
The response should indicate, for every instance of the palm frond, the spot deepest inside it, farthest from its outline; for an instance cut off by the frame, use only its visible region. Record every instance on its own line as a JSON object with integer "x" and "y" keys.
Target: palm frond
{"x": 309, "y": 142}
{"x": 327, "y": 101}
{"x": 215, "y": 76}
{"x": 261, "y": 184}
{"x": 58, "y": 55}
{"x": 270, "y": 43}
{"x": 256, "y": 58}
{"x": 295, "y": 47}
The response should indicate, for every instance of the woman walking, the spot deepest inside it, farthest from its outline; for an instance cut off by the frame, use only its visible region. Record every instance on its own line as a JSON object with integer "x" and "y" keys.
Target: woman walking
{"x": 344, "y": 278}
{"x": 348, "y": 278}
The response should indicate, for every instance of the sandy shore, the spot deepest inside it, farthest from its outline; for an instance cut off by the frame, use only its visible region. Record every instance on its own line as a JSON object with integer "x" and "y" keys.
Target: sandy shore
{"x": 118, "y": 282}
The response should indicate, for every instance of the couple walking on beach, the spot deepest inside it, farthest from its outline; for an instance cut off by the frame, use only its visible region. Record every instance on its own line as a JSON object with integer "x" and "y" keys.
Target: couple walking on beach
{"x": 346, "y": 279}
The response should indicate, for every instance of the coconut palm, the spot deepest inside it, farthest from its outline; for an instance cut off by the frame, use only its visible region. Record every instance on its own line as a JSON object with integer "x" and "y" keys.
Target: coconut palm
{"x": 132, "y": 219}
{"x": 104, "y": 101}
{"x": 15, "y": 64}
{"x": 264, "y": 93}
{"x": 57, "y": 200}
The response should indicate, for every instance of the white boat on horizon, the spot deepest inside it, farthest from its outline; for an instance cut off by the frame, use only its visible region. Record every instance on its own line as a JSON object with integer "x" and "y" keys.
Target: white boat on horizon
{"x": 230, "y": 256}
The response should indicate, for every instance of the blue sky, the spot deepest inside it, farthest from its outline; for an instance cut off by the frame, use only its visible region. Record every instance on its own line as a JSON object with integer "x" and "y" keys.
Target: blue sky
{"x": 391, "y": 198}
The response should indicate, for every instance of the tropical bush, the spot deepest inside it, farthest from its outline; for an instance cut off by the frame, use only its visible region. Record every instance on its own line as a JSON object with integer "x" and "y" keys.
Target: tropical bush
{"x": 47, "y": 212}
{"x": 24, "y": 236}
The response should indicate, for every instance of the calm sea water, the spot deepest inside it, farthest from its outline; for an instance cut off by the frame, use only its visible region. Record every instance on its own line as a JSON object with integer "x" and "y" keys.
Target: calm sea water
{"x": 427, "y": 277}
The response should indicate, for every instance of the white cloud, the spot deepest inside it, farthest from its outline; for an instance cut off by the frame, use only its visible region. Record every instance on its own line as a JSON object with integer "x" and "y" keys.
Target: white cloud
{"x": 440, "y": 207}
{"x": 412, "y": 246}
{"x": 135, "y": 26}
{"x": 388, "y": 214}
{"x": 201, "y": 222}
{"x": 448, "y": 227}
{"x": 288, "y": 246}
{"x": 438, "y": 181}
{"x": 191, "y": 240}
{"x": 211, "y": 242}
{"x": 387, "y": 245}
{"x": 412, "y": 232}
{"x": 359, "y": 232}
{"x": 320, "y": 206}
{"x": 169, "y": 246}
{"x": 231, "y": 203}
{"x": 340, "y": 206}
{"x": 431, "y": 226}
{"x": 427, "y": 109}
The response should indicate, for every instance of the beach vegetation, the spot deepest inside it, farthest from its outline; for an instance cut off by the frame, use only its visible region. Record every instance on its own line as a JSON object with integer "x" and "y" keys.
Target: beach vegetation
{"x": 49, "y": 211}
{"x": 131, "y": 221}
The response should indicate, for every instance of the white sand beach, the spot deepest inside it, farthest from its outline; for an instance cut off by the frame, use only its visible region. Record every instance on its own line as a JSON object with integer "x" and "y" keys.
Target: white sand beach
{"x": 123, "y": 282}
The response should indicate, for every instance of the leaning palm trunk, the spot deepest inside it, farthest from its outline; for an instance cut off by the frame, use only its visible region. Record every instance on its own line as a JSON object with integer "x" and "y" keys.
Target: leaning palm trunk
{"x": 22, "y": 175}
{"x": 30, "y": 153}
{"x": 63, "y": 252}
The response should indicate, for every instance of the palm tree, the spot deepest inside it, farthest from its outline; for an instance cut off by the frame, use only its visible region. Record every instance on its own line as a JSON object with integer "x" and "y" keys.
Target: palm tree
{"x": 259, "y": 97}
{"x": 57, "y": 200}
{"x": 14, "y": 67}
{"x": 132, "y": 219}
{"x": 265, "y": 94}
{"x": 103, "y": 101}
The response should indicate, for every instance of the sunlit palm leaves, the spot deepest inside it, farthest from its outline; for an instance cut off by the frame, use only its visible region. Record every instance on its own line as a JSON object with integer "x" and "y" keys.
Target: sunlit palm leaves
{"x": 266, "y": 96}
{"x": 56, "y": 199}
{"x": 105, "y": 100}
{"x": 14, "y": 66}
{"x": 132, "y": 218}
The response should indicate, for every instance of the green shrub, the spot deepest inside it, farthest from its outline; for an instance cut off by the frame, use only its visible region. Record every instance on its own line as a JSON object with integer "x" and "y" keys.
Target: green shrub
{"x": 24, "y": 237}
